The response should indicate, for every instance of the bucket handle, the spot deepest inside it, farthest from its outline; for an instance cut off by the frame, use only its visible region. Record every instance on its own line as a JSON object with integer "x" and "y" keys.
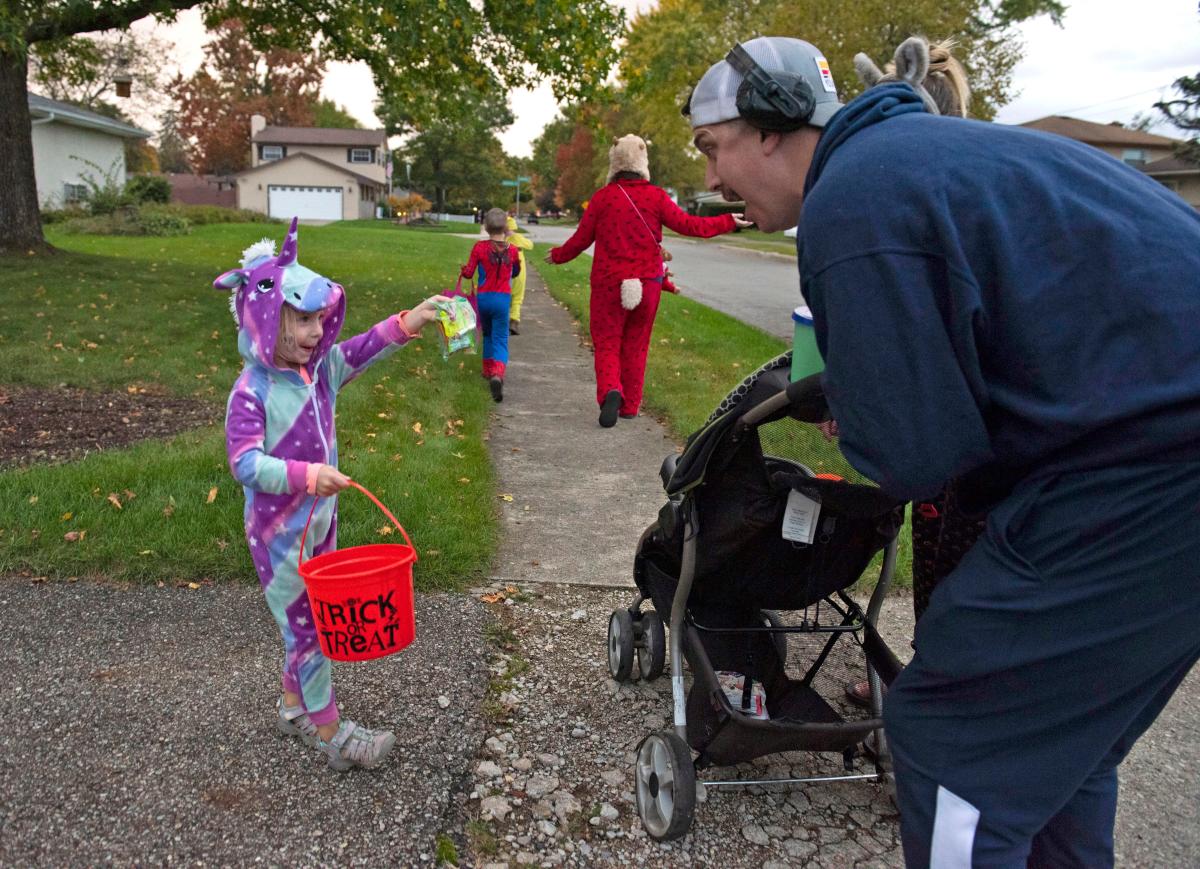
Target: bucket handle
{"x": 378, "y": 503}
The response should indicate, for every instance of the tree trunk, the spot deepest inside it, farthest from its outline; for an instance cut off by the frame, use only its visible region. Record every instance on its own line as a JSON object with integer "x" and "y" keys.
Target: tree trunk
{"x": 20, "y": 218}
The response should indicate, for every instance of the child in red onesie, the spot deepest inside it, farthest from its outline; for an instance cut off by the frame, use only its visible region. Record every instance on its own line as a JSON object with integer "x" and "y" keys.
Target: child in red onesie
{"x": 625, "y": 220}
{"x": 493, "y": 264}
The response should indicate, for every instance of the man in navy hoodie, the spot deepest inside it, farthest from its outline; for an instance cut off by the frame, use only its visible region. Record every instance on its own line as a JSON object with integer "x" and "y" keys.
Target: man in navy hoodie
{"x": 1019, "y": 313}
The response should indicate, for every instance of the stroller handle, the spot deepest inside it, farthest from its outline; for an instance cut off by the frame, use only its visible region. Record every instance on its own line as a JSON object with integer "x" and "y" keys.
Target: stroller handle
{"x": 804, "y": 399}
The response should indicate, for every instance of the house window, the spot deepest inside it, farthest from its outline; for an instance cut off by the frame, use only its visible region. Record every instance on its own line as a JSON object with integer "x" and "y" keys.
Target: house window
{"x": 271, "y": 152}
{"x": 361, "y": 155}
{"x": 74, "y": 193}
{"x": 1134, "y": 156}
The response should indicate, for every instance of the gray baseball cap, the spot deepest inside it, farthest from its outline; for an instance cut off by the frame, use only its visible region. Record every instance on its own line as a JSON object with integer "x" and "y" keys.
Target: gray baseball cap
{"x": 714, "y": 99}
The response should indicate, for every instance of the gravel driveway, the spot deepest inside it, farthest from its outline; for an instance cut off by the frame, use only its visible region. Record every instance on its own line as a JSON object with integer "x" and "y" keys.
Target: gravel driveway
{"x": 140, "y": 729}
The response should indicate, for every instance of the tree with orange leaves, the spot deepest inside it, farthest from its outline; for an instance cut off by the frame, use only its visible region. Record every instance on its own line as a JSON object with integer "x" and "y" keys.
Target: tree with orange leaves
{"x": 235, "y": 82}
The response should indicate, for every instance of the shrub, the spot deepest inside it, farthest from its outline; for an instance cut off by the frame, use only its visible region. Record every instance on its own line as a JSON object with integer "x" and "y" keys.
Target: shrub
{"x": 201, "y": 215}
{"x": 148, "y": 188}
{"x": 105, "y": 195}
{"x": 60, "y": 215}
{"x": 130, "y": 221}
{"x": 413, "y": 205}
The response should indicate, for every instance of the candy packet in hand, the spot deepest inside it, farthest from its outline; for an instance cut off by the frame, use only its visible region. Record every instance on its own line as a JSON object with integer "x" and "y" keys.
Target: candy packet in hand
{"x": 456, "y": 325}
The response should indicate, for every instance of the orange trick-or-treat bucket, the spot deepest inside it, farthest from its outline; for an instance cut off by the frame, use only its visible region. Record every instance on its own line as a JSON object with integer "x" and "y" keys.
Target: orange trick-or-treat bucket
{"x": 362, "y": 596}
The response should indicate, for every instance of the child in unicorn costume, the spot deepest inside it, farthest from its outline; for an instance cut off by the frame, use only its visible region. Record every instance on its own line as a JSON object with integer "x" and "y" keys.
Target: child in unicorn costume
{"x": 279, "y": 431}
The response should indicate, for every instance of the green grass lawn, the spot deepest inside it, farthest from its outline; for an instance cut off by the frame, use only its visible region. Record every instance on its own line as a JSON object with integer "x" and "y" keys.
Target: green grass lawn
{"x": 139, "y": 313}
{"x": 697, "y": 355}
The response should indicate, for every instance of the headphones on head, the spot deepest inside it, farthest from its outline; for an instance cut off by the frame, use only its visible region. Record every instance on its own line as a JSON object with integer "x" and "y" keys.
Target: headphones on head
{"x": 776, "y": 102}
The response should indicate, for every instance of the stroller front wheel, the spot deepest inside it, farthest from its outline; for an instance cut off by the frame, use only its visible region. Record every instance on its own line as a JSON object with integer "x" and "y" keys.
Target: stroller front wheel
{"x": 666, "y": 786}
{"x": 620, "y": 645}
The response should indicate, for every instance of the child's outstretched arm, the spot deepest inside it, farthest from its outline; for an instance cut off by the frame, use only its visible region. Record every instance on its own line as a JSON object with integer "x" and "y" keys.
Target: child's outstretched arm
{"x": 524, "y": 242}
{"x": 353, "y": 356}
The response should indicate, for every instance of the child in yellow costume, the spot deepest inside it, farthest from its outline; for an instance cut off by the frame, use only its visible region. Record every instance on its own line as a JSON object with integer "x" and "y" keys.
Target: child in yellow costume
{"x": 521, "y": 243}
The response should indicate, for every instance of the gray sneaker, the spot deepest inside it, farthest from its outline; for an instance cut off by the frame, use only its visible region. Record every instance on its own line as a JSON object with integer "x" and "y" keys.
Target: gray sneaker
{"x": 354, "y": 745}
{"x": 294, "y": 721}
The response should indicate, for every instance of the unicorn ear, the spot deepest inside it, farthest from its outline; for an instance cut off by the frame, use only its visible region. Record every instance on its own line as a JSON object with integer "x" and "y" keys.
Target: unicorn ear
{"x": 287, "y": 256}
{"x": 231, "y": 280}
{"x": 912, "y": 60}
{"x": 868, "y": 73}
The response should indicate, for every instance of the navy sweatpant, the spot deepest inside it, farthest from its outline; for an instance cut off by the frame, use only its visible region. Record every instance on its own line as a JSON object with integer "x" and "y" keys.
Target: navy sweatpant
{"x": 1040, "y": 661}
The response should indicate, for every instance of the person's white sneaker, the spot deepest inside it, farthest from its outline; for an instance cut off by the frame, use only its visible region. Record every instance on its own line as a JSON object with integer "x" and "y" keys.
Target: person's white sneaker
{"x": 354, "y": 745}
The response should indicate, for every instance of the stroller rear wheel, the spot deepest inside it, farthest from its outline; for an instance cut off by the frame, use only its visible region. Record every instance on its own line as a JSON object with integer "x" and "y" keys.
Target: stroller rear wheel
{"x": 666, "y": 786}
{"x": 620, "y": 645}
{"x": 652, "y": 648}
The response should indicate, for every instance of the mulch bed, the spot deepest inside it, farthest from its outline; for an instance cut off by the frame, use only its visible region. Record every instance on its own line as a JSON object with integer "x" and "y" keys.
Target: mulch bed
{"x": 56, "y": 425}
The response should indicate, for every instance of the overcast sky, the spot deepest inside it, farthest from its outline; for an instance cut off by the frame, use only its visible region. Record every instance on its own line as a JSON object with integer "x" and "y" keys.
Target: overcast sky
{"x": 1110, "y": 60}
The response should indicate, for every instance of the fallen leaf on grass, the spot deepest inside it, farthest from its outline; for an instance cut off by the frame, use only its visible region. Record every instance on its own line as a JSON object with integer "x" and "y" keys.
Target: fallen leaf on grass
{"x": 74, "y": 536}
{"x": 384, "y": 531}
{"x": 416, "y": 427}
{"x": 222, "y": 545}
{"x": 193, "y": 585}
{"x": 464, "y": 480}
{"x": 33, "y": 499}
{"x": 506, "y": 497}
{"x": 212, "y": 495}
{"x": 114, "y": 500}
{"x": 66, "y": 517}
{"x": 458, "y": 455}
{"x": 169, "y": 510}
{"x": 129, "y": 496}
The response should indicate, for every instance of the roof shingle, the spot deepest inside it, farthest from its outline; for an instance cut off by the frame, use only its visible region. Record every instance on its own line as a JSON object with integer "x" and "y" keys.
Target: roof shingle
{"x": 321, "y": 136}
{"x": 1097, "y": 134}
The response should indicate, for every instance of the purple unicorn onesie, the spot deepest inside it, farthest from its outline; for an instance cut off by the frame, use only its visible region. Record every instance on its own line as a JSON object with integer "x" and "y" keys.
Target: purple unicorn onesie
{"x": 279, "y": 429}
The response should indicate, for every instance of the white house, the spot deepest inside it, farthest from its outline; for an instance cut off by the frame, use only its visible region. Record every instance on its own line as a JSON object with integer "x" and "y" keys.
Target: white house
{"x": 313, "y": 173}
{"x": 70, "y": 143}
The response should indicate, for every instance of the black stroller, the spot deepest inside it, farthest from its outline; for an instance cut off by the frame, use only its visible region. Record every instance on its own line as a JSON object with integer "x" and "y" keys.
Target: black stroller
{"x": 749, "y": 531}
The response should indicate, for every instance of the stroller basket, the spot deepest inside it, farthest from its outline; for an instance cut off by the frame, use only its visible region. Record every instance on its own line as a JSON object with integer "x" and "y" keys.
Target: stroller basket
{"x": 749, "y": 529}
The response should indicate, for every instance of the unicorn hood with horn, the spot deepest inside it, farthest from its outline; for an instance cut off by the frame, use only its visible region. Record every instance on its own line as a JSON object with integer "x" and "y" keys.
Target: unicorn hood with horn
{"x": 264, "y": 283}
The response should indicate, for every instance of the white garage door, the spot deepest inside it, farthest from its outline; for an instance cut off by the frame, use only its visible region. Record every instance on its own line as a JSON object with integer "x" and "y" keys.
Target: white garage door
{"x": 307, "y": 203}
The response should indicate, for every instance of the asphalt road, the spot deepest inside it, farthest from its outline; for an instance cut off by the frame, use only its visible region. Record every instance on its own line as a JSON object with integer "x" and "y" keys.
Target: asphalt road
{"x": 761, "y": 289}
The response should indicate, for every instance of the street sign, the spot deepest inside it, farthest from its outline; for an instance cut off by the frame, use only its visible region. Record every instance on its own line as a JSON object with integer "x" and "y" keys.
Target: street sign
{"x": 517, "y": 184}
